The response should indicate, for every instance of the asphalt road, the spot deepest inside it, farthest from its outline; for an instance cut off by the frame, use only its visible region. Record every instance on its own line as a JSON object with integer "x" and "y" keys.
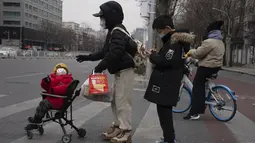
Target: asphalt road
{"x": 19, "y": 96}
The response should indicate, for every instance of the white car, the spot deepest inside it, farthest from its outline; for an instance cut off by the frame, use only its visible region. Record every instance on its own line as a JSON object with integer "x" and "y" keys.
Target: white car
{"x": 6, "y": 52}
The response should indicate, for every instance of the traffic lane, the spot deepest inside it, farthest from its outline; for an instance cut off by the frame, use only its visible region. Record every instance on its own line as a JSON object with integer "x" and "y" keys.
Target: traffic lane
{"x": 20, "y": 88}
{"x": 12, "y": 127}
{"x": 243, "y": 86}
{"x": 238, "y": 76}
{"x": 14, "y": 68}
{"x": 245, "y": 95}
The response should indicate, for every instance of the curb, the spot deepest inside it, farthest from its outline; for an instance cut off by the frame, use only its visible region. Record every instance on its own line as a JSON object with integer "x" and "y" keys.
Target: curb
{"x": 238, "y": 71}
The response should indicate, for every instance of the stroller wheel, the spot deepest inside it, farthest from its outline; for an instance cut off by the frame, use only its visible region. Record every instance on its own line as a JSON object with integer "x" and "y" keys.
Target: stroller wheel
{"x": 82, "y": 132}
{"x": 29, "y": 134}
{"x": 41, "y": 130}
{"x": 66, "y": 138}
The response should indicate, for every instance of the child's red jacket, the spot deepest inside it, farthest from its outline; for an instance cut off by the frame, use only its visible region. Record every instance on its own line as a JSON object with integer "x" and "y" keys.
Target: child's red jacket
{"x": 57, "y": 86}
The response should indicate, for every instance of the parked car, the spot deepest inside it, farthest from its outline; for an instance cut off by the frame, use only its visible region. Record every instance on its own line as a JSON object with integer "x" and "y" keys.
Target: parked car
{"x": 6, "y": 52}
{"x": 69, "y": 55}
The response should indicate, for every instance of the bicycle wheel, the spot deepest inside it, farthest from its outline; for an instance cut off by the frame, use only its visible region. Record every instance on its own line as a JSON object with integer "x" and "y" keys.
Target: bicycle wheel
{"x": 184, "y": 101}
{"x": 222, "y": 104}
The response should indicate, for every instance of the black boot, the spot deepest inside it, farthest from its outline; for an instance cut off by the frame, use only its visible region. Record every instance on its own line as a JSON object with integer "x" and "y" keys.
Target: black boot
{"x": 34, "y": 120}
{"x": 31, "y": 127}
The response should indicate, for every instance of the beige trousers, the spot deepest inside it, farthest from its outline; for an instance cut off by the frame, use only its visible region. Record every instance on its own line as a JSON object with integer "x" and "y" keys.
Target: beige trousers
{"x": 122, "y": 103}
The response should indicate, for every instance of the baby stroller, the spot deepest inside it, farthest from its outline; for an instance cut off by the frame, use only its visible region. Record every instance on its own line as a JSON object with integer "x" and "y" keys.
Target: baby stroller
{"x": 60, "y": 115}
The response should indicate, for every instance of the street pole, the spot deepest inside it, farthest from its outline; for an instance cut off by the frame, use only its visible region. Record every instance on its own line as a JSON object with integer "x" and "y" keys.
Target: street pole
{"x": 228, "y": 57}
{"x": 228, "y": 45}
{"x": 152, "y": 14}
{"x": 20, "y": 39}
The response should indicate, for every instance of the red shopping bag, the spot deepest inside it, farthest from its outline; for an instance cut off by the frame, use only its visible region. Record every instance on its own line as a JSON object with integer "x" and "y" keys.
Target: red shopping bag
{"x": 98, "y": 84}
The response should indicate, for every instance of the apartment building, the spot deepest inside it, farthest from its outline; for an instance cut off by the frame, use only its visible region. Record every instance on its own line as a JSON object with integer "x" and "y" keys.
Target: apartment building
{"x": 72, "y": 25}
{"x": 20, "y": 20}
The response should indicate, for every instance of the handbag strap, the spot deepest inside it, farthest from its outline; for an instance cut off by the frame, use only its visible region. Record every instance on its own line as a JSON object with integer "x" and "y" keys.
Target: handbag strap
{"x": 124, "y": 31}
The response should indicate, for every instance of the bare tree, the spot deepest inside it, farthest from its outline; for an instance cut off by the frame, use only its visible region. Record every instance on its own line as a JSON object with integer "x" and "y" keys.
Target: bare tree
{"x": 199, "y": 13}
{"x": 54, "y": 33}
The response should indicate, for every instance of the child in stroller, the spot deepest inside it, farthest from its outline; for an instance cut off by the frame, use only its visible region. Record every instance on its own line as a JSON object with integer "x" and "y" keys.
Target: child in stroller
{"x": 57, "y": 84}
{"x": 59, "y": 94}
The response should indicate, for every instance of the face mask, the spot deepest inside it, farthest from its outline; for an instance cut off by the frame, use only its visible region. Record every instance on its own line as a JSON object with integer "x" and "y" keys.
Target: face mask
{"x": 61, "y": 71}
{"x": 102, "y": 22}
{"x": 161, "y": 35}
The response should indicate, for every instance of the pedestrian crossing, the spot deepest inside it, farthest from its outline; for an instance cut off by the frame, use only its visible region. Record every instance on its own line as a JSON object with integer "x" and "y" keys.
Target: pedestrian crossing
{"x": 96, "y": 116}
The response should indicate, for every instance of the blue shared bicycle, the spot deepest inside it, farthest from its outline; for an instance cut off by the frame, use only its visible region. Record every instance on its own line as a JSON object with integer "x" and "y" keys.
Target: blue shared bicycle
{"x": 218, "y": 97}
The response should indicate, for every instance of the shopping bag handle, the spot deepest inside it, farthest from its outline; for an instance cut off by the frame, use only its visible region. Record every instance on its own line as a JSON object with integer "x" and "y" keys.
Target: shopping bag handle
{"x": 93, "y": 72}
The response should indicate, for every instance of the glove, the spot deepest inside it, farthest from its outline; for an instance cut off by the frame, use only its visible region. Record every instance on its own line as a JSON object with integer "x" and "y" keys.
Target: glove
{"x": 187, "y": 55}
{"x": 96, "y": 71}
{"x": 82, "y": 58}
{"x": 47, "y": 79}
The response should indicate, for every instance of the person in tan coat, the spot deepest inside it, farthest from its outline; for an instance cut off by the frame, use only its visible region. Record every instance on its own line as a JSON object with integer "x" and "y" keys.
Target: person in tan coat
{"x": 210, "y": 60}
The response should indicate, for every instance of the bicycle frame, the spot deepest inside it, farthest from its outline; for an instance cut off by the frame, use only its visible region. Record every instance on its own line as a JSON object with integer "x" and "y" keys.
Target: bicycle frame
{"x": 208, "y": 89}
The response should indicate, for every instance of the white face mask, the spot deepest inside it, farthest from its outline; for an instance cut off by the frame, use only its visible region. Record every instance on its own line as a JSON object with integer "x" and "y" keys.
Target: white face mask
{"x": 102, "y": 22}
{"x": 61, "y": 71}
{"x": 161, "y": 35}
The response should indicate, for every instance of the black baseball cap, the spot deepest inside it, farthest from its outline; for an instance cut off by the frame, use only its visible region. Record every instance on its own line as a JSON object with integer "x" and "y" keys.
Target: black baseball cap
{"x": 99, "y": 14}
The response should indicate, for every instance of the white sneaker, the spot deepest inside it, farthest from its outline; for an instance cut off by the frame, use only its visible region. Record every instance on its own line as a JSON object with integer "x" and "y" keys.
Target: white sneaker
{"x": 195, "y": 117}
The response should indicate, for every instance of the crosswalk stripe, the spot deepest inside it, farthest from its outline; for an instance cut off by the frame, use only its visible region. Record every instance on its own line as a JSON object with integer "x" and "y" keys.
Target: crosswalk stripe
{"x": 15, "y": 108}
{"x": 243, "y": 128}
{"x": 53, "y": 131}
{"x": 149, "y": 129}
{"x": 3, "y": 95}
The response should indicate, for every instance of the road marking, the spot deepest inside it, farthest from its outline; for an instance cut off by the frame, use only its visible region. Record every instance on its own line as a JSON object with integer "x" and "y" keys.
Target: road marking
{"x": 3, "y": 95}
{"x": 29, "y": 104}
{"x": 21, "y": 76}
{"x": 15, "y": 108}
{"x": 53, "y": 131}
{"x": 148, "y": 126}
{"x": 139, "y": 89}
{"x": 243, "y": 128}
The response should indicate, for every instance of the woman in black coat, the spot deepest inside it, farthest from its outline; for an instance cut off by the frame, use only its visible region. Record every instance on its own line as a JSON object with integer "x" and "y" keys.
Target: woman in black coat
{"x": 165, "y": 80}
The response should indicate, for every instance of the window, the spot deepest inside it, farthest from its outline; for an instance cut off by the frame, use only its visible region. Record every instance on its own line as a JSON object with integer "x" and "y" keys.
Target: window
{"x": 11, "y": 22}
{"x": 12, "y": 4}
{"x": 35, "y": 9}
{"x": 34, "y": 26}
{"x": 11, "y": 13}
{"x": 35, "y": 1}
{"x": 35, "y": 17}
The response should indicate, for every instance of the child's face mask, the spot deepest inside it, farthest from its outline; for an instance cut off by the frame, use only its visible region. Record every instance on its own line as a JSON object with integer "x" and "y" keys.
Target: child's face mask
{"x": 61, "y": 71}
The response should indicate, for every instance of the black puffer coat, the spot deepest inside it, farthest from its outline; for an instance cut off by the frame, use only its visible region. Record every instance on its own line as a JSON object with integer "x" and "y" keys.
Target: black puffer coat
{"x": 165, "y": 80}
{"x": 113, "y": 55}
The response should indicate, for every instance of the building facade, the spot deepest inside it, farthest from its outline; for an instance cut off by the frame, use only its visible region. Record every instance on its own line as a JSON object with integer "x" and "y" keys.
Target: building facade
{"x": 20, "y": 20}
{"x": 72, "y": 25}
{"x": 140, "y": 34}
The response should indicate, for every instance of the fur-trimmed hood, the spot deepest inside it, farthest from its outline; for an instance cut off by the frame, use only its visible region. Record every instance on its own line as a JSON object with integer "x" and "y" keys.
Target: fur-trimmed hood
{"x": 182, "y": 37}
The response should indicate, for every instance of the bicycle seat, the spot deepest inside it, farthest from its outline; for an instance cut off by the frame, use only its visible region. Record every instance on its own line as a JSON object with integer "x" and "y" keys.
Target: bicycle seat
{"x": 212, "y": 77}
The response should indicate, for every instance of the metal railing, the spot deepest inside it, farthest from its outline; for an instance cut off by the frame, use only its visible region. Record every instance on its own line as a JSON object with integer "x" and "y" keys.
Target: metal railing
{"x": 29, "y": 54}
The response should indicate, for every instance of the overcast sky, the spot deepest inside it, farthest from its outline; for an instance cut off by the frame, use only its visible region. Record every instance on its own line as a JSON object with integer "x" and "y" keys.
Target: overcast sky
{"x": 81, "y": 11}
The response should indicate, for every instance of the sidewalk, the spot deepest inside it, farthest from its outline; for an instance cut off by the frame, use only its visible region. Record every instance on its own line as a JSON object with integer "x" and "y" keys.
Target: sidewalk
{"x": 242, "y": 70}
